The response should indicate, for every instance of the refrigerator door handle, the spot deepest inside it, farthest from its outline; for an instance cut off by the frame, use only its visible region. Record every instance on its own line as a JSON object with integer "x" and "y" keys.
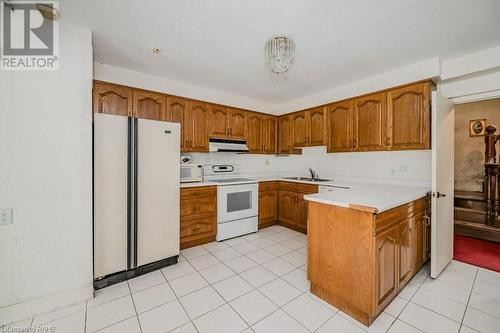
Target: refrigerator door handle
{"x": 132, "y": 194}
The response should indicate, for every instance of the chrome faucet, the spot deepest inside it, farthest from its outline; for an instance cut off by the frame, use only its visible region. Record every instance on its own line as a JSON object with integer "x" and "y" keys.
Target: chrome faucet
{"x": 313, "y": 174}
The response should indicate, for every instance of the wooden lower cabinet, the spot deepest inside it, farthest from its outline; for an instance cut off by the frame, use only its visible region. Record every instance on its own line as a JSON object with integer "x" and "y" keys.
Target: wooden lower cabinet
{"x": 268, "y": 204}
{"x": 386, "y": 264}
{"x": 292, "y": 208}
{"x": 371, "y": 255}
{"x": 405, "y": 251}
{"x": 198, "y": 220}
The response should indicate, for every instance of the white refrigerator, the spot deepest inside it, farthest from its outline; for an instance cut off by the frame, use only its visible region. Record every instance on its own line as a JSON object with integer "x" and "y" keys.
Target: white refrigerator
{"x": 136, "y": 194}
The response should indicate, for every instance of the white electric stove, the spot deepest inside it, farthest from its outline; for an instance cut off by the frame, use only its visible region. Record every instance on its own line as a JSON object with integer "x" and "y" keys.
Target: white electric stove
{"x": 237, "y": 201}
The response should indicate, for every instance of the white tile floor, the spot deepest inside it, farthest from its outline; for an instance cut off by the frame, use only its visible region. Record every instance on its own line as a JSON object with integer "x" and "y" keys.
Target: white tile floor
{"x": 257, "y": 283}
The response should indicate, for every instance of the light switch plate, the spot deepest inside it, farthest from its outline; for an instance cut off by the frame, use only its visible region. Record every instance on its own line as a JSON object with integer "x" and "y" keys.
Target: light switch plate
{"x": 6, "y": 216}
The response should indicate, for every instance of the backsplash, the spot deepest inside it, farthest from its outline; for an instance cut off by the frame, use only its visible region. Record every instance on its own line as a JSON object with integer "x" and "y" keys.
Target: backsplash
{"x": 398, "y": 167}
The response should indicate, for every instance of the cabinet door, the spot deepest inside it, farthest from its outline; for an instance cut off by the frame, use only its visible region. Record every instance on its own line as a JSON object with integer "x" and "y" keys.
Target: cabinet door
{"x": 199, "y": 119}
{"x": 254, "y": 133}
{"x": 418, "y": 246}
{"x": 177, "y": 111}
{"x": 300, "y": 132}
{"x": 339, "y": 123}
{"x": 427, "y": 234}
{"x": 302, "y": 210}
{"x": 316, "y": 127}
{"x": 405, "y": 250}
{"x": 285, "y": 135}
{"x": 269, "y": 134}
{"x": 237, "y": 123}
{"x": 408, "y": 117}
{"x": 112, "y": 99}
{"x": 386, "y": 256}
{"x": 149, "y": 105}
{"x": 268, "y": 206}
{"x": 370, "y": 122}
{"x": 219, "y": 121}
{"x": 287, "y": 203}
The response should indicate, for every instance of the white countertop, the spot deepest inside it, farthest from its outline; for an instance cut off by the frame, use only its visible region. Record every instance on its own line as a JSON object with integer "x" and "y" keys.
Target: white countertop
{"x": 380, "y": 197}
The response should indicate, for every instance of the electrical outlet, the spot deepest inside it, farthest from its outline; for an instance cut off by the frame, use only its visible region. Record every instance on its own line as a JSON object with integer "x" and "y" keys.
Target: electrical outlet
{"x": 6, "y": 216}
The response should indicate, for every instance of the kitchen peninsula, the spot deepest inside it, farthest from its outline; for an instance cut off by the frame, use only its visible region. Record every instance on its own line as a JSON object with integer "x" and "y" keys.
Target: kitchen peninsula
{"x": 365, "y": 244}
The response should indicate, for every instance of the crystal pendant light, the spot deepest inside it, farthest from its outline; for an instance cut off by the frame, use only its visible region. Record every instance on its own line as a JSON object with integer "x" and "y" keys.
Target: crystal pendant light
{"x": 280, "y": 52}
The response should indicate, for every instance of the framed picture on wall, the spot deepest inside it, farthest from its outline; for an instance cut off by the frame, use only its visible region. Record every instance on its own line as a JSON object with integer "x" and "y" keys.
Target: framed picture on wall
{"x": 477, "y": 127}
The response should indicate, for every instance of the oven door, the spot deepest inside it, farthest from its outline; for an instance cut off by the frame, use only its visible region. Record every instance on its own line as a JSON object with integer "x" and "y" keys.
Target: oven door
{"x": 235, "y": 202}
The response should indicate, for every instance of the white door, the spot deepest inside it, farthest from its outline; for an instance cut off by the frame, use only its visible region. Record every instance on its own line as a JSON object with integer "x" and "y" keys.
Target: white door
{"x": 443, "y": 140}
{"x": 110, "y": 194}
{"x": 158, "y": 190}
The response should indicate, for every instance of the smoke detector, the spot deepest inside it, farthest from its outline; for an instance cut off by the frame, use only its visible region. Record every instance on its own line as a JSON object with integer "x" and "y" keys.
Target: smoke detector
{"x": 156, "y": 50}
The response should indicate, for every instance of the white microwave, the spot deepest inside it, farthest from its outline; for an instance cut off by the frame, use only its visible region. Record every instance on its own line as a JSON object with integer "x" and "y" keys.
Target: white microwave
{"x": 191, "y": 173}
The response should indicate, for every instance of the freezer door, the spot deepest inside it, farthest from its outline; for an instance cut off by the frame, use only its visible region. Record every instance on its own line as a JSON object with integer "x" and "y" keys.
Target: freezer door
{"x": 158, "y": 190}
{"x": 110, "y": 194}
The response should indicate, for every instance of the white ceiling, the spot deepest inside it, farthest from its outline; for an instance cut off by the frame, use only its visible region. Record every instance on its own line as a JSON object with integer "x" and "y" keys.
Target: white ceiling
{"x": 219, "y": 44}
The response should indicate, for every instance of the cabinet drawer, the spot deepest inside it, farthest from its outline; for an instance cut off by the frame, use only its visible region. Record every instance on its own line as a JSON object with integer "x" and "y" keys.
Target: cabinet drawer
{"x": 298, "y": 187}
{"x": 199, "y": 207}
{"x": 197, "y": 192}
{"x": 197, "y": 227}
{"x": 267, "y": 186}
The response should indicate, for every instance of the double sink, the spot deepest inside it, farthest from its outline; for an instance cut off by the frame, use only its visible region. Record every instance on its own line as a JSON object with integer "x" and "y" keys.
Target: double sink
{"x": 308, "y": 179}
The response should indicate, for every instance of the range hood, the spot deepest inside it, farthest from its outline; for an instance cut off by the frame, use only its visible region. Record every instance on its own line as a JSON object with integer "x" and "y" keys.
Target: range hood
{"x": 227, "y": 146}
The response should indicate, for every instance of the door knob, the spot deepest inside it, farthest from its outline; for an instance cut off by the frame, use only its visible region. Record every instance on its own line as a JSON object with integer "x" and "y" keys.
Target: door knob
{"x": 438, "y": 195}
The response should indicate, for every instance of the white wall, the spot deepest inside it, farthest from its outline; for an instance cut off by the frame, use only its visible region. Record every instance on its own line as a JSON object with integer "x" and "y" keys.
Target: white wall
{"x": 146, "y": 81}
{"x": 427, "y": 69}
{"x": 472, "y": 77}
{"x": 45, "y": 176}
{"x": 401, "y": 167}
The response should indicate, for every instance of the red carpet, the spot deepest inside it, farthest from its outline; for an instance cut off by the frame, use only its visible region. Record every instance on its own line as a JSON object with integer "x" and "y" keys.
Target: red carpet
{"x": 477, "y": 252}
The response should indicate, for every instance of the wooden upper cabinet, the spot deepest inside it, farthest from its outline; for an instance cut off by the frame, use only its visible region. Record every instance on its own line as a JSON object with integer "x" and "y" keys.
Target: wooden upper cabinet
{"x": 408, "y": 117}
{"x": 112, "y": 99}
{"x": 316, "y": 127}
{"x": 254, "y": 133}
{"x": 177, "y": 112}
{"x": 300, "y": 129}
{"x": 285, "y": 135}
{"x": 227, "y": 122}
{"x": 386, "y": 266}
{"x": 370, "y": 116}
{"x": 197, "y": 128}
{"x": 149, "y": 105}
{"x": 308, "y": 128}
{"x": 237, "y": 120}
{"x": 269, "y": 134}
{"x": 219, "y": 121}
{"x": 340, "y": 121}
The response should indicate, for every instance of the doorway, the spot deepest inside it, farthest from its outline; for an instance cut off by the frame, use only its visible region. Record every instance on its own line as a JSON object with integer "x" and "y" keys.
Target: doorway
{"x": 477, "y": 183}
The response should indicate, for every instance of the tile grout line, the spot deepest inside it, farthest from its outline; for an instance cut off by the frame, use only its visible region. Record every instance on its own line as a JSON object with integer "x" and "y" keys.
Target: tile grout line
{"x": 178, "y": 301}
{"x": 133, "y": 302}
{"x": 468, "y": 299}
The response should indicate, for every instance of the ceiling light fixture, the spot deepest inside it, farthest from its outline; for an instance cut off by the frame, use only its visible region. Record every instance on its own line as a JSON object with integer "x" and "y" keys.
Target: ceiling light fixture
{"x": 280, "y": 52}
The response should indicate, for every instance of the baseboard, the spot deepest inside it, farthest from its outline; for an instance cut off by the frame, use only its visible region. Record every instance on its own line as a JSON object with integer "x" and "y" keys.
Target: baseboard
{"x": 24, "y": 310}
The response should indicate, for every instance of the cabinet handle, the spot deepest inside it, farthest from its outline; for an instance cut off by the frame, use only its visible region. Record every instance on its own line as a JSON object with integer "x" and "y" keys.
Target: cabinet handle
{"x": 388, "y": 141}
{"x": 350, "y": 143}
{"x": 354, "y": 143}
{"x": 196, "y": 229}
